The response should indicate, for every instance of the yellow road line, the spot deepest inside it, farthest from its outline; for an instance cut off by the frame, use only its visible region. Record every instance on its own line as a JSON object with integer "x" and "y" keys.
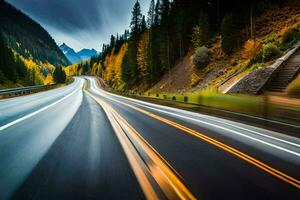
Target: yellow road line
{"x": 162, "y": 172}
{"x": 132, "y": 155}
{"x": 282, "y": 176}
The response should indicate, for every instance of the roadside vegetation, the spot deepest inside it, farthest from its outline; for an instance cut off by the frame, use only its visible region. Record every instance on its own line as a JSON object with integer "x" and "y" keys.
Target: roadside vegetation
{"x": 213, "y": 102}
{"x": 17, "y": 71}
{"x": 294, "y": 88}
{"x": 222, "y": 41}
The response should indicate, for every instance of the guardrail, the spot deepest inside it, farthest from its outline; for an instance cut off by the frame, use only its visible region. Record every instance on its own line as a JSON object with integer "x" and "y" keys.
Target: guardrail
{"x": 265, "y": 109}
{"x": 24, "y": 90}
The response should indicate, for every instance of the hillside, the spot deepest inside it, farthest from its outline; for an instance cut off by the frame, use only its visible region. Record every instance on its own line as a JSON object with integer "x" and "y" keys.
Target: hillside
{"x": 187, "y": 46}
{"x": 222, "y": 70}
{"x": 27, "y": 37}
{"x": 29, "y": 55}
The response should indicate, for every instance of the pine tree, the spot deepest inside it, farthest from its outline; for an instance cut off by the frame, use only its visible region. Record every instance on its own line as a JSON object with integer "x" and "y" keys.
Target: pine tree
{"x": 151, "y": 21}
{"x": 59, "y": 75}
{"x": 151, "y": 12}
{"x": 229, "y": 33}
{"x": 143, "y": 25}
{"x": 136, "y": 20}
{"x": 157, "y": 13}
{"x": 7, "y": 61}
{"x": 112, "y": 41}
{"x": 21, "y": 68}
{"x": 135, "y": 26}
{"x": 164, "y": 35}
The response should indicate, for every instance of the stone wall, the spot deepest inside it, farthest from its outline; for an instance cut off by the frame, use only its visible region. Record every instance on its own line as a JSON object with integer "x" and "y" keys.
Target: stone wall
{"x": 256, "y": 81}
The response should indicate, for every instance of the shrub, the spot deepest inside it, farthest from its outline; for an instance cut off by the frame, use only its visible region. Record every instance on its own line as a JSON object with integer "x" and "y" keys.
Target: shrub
{"x": 290, "y": 37}
{"x": 294, "y": 87}
{"x": 200, "y": 57}
{"x": 258, "y": 58}
{"x": 269, "y": 52}
{"x": 291, "y": 34}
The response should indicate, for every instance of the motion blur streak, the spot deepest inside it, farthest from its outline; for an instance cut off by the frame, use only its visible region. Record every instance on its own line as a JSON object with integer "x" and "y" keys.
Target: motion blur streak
{"x": 159, "y": 168}
{"x": 223, "y": 146}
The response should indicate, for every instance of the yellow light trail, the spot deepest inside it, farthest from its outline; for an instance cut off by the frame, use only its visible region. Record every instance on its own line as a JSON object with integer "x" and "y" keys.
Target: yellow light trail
{"x": 282, "y": 176}
{"x": 162, "y": 172}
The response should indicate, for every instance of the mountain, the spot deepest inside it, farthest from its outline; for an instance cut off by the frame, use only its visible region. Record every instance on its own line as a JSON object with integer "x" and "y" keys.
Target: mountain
{"x": 86, "y": 54}
{"x": 71, "y": 55}
{"x": 77, "y": 57}
{"x": 27, "y": 37}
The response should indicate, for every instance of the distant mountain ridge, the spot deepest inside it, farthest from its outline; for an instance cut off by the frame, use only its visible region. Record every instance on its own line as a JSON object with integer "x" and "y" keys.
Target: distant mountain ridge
{"x": 27, "y": 37}
{"x": 86, "y": 54}
{"x": 70, "y": 53}
{"x": 77, "y": 57}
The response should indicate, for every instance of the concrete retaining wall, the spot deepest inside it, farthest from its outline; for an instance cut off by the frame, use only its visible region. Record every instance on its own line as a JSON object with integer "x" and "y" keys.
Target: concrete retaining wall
{"x": 256, "y": 81}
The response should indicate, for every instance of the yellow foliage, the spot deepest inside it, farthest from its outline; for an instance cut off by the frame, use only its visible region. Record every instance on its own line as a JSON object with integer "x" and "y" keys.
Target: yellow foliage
{"x": 250, "y": 48}
{"x": 143, "y": 54}
{"x": 113, "y": 66}
{"x": 72, "y": 70}
{"x": 30, "y": 64}
{"x": 49, "y": 80}
{"x": 38, "y": 67}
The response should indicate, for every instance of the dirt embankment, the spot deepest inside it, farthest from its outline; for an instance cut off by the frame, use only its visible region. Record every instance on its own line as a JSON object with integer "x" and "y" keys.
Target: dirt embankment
{"x": 179, "y": 79}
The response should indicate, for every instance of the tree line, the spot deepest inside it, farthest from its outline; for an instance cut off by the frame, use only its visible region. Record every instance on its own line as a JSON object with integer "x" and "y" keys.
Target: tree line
{"x": 12, "y": 68}
{"x": 27, "y": 37}
{"x": 174, "y": 28}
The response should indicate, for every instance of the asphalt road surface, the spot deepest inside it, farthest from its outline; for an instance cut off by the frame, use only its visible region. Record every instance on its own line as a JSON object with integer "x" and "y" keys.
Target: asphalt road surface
{"x": 81, "y": 142}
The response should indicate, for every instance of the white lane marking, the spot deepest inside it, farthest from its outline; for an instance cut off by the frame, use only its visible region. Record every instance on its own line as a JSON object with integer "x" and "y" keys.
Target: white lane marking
{"x": 140, "y": 103}
{"x": 237, "y": 127}
{"x": 217, "y": 126}
{"x": 36, "y": 112}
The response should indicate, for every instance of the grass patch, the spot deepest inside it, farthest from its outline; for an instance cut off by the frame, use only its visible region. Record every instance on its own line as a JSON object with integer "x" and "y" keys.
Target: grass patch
{"x": 294, "y": 88}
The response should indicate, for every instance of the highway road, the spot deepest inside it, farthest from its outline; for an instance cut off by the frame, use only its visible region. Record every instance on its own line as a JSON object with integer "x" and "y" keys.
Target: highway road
{"x": 81, "y": 142}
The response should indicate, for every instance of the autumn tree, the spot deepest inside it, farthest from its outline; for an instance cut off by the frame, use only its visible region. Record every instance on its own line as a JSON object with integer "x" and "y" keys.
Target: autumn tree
{"x": 143, "y": 58}
{"x": 200, "y": 34}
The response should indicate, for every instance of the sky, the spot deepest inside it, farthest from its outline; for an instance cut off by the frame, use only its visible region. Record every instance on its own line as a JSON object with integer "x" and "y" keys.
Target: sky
{"x": 81, "y": 23}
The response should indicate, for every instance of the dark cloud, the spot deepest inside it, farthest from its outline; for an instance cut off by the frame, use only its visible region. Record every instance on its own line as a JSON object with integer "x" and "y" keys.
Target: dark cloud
{"x": 80, "y": 23}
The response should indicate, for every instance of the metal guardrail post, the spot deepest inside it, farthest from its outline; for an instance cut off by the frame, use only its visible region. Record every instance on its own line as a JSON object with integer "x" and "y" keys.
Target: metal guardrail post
{"x": 266, "y": 107}
{"x": 200, "y": 100}
{"x": 185, "y": 99}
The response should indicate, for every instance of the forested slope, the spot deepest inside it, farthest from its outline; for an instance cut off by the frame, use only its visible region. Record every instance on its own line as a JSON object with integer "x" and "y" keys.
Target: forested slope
{"x": 221, "y": 39}
{"x": 27, "y": 37}
{"x": 28, "y": 54}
